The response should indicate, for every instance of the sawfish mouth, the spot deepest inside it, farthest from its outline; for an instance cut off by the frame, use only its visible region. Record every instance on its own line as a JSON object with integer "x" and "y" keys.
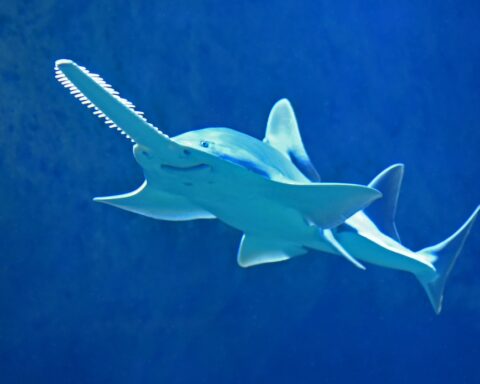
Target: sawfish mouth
{"x": 192, "y": 168}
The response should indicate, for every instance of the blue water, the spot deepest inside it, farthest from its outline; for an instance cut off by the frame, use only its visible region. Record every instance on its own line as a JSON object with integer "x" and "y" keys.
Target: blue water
{"x": 92, "y": 294}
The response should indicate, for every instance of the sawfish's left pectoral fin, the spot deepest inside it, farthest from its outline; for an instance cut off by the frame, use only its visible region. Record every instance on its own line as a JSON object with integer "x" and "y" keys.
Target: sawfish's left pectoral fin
{"x": 325, "y": 204}
{"x": 156, "y": 204}
{"x": 255, "y": 250}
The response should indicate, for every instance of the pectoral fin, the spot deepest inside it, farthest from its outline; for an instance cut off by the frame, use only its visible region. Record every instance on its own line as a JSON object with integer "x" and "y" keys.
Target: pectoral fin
{"x": 325, "y": 204}
{"x": 156, "y": 204}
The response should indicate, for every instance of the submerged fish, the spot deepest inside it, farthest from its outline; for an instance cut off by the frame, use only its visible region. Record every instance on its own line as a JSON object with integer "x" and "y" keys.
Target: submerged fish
{"x": 267, "y": 189}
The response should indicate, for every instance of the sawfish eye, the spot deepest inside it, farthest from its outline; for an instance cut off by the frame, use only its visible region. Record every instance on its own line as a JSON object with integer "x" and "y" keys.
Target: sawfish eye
{"x": 146, "y": 154}
{"x": 204, "y": 144}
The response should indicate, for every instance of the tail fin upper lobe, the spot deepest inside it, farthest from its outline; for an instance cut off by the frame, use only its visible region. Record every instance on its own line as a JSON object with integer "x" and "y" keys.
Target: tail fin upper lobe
{"x": 445, "y": 255}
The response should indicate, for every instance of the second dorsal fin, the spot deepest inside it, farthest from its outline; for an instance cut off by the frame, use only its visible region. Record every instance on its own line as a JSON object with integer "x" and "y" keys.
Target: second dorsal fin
{"x": 382, "y": 212}
{"x": 283, "y": 134}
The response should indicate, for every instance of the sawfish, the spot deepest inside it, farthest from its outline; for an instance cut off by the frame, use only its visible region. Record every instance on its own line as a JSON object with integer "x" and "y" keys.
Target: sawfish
{"x": 268, "y": 189}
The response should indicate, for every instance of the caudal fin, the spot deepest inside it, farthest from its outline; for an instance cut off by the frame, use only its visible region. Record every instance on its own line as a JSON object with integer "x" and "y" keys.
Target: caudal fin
{"x": 444, "y": 255}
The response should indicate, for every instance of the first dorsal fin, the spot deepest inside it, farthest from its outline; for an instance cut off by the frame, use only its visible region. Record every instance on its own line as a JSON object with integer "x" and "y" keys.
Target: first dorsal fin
{"x": 382, "y": 213}
{"x": 283, "y": 134}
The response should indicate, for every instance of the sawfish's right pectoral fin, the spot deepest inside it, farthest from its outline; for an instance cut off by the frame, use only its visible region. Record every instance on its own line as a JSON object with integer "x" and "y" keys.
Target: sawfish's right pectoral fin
{"x": 156, "y": 204}
{"x": 255, "y": 250}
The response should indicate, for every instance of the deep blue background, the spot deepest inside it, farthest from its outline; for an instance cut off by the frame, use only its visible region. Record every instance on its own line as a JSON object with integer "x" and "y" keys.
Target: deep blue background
{"x": 92, "y": 294}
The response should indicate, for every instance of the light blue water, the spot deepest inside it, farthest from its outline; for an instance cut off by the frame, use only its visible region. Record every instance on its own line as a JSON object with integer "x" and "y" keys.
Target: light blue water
{"x": 91, "y": 294}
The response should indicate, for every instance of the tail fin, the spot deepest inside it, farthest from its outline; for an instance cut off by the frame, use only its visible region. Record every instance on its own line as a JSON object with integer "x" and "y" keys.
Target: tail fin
{"x": 444, "y": 255}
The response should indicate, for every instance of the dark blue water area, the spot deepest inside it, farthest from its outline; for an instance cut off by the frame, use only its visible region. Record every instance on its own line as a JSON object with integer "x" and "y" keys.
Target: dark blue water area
{"x": 93, "y": 294}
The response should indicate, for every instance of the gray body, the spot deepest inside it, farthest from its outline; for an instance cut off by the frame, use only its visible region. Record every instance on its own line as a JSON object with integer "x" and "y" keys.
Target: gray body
{"x": 267, "y": 189}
